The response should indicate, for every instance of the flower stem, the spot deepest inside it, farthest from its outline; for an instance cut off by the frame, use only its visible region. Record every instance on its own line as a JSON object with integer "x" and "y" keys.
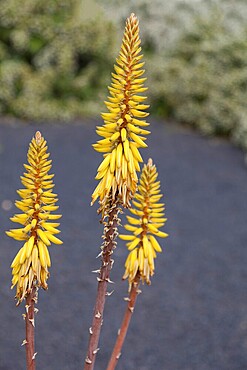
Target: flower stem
{"x": 116, "y": 353}
{"x": 109, "y": 244}
{"x": 30, "y": 350}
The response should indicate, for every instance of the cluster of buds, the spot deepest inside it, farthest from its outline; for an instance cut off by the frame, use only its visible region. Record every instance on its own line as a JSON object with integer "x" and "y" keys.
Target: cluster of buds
{"x": 30, "y": 266}
{"x": 142, "y": 243}
{"x": 123, "y": 130}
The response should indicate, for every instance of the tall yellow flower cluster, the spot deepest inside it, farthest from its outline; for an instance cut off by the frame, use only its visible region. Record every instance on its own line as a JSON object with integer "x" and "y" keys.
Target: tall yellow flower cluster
{"x": 30, "y": 266}
{"x": 123, "y": 124}
{"x": 142, "y": 243}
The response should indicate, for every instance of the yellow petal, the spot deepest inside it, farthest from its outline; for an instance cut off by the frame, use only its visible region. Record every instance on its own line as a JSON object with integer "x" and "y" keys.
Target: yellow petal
{"x": 155, "y": 244}
{"x": 43, "y": 236}
{"x": 133, "y": 244}
{"x": 127, "y": 237}
{"x": 30, "y": 244}
{"x": 53, "y": 238}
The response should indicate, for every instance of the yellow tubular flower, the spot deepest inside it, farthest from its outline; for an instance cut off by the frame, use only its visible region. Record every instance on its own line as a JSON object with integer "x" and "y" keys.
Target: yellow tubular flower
{"x": 30, "y": 266}
{"x": 123, "y": 130}
{"x": 142, "y": 243}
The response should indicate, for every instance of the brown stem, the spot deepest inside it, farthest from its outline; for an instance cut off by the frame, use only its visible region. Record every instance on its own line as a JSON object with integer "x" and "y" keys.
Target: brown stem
{"x": 30, "y": 350}
{"x": 110, "y": 233}
{"x": 116, "y": 353}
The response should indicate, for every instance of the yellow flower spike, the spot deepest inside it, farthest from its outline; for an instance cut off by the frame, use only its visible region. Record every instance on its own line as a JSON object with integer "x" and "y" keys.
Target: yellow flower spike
{"x": 30, "y": 266}
{"x": 122, "y": 124}
{"x": 144, "y": 227}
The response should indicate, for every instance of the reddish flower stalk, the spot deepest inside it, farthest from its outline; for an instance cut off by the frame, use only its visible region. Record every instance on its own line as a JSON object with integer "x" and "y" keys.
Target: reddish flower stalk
{"x": 30, "y": 332}
{"x": 116, "y": 353}
{"x": 110, "y": 233}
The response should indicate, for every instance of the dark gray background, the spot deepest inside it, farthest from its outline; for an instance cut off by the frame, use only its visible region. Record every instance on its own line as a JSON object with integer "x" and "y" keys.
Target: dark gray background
{"x": 193, "y": 316}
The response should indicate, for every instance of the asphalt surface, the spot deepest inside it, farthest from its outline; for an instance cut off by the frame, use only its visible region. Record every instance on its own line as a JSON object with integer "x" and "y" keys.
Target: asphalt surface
{"x": 193, "y": 316}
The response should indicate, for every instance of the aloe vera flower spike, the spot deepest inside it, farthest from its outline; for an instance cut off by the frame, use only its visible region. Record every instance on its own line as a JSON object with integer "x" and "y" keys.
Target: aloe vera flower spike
{"x": 144, "y": 227}
{"x": 30, "y": 266}
{"x": 143, "y": 245}
{"x": 123, "y": 133}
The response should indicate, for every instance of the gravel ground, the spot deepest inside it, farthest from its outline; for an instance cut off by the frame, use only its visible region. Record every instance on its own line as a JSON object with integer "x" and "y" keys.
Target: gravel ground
{"x": 193, "y": 317}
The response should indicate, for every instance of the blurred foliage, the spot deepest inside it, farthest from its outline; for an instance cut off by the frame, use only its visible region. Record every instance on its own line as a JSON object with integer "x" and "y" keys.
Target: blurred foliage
{"x": 203, "y": 80}
{"x": 54, "y": 61}
{"x": 56, "y": 58}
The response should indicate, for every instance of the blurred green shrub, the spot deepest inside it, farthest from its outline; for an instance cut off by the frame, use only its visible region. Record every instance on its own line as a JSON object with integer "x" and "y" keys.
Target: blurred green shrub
{"x": 56, "y": 58}
{"x": 202, "y": 80}
{"x": 54, "y": 62}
